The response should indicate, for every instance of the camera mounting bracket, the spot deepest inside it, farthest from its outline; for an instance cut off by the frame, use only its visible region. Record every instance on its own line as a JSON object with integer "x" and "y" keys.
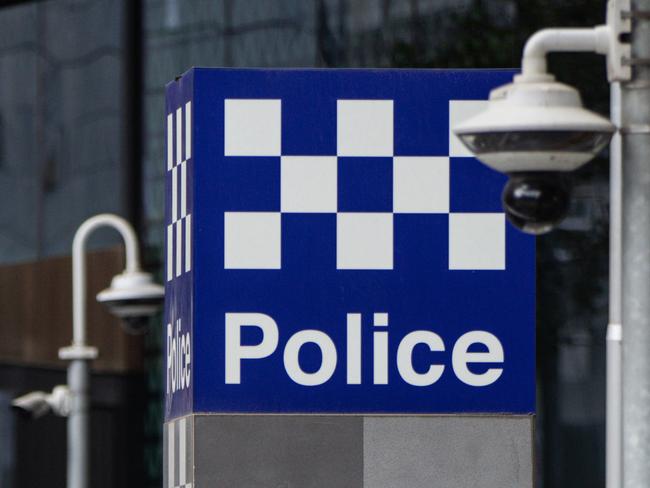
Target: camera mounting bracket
{"x": 619, "y": 23}
{"x": 609, "y": 40}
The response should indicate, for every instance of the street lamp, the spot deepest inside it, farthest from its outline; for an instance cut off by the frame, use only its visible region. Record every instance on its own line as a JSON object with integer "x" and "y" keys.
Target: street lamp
{"x": 133, "y": 296}
{"x": 536, "y": 130}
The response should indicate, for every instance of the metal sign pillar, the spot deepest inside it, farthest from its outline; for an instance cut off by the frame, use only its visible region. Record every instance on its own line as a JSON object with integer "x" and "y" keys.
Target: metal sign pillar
{"x": 345, "y": 302}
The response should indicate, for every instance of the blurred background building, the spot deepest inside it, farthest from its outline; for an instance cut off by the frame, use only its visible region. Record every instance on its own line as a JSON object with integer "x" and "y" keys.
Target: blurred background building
{"x": 81, "y": 132}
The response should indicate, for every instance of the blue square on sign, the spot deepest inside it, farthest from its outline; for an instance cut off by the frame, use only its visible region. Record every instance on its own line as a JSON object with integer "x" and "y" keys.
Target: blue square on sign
{"x": 308, "y": 129}
{"x": 365, "y": 184}
{"x": 257, "y": 180}
{"x": 474, "y": 187}
{"x": 308, "y": 238}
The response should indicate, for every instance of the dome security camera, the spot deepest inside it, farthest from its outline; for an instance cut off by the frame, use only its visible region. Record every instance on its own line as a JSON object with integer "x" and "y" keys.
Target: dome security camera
{"x": 38, "y": 403}
{"x": 133, "y": 297}
{"x": 536, "y": 131}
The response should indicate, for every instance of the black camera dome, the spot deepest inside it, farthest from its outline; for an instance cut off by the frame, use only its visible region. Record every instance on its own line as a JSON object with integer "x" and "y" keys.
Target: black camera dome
{"x": 536, "y": 202}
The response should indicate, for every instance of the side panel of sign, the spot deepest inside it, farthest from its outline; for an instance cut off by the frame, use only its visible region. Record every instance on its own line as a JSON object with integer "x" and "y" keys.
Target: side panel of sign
{"x": 179, "y": 206}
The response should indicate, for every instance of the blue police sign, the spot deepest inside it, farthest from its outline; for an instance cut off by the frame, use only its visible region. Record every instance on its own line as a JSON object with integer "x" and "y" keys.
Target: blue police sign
{"x": 332, "y": 248}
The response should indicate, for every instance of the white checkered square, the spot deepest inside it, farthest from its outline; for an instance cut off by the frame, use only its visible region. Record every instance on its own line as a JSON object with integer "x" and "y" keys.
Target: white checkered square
{"x": 179, "y": 135}
{"x": 170, "y": 141}
{"x": 477, "y": 241}
{"x": 460, "y": 111}
{"x": 309, "y": 184}
{"x": 364, "y": 241}
{"x": 174, "y": 194}
{"x": 364, "y": 128}
{"x": 252, "y": 240}
{"x": 420, "y": 185}
{"x": 179, "y": 228}
{"x": 188, "y": 130}
{"x": 252, "y": 127}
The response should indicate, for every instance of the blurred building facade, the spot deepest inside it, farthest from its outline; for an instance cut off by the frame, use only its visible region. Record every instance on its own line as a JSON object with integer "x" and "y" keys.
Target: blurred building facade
{"x": 81, "y": 132}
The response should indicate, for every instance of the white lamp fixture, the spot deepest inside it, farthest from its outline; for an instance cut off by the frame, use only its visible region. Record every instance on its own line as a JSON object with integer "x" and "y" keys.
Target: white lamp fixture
{"x": 538, "y": 124}
{"x": 535, "y": 124}
{"x": 536, "y": 130}
{"x": 133, "y": 297}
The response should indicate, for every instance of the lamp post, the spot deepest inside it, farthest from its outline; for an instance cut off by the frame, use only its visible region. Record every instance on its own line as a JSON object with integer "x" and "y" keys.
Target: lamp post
{"x": 614, "y": 335}
{"x": 635, "y": 135}
{"x": 628, "y": 361}
{"x": 132, "y": 288}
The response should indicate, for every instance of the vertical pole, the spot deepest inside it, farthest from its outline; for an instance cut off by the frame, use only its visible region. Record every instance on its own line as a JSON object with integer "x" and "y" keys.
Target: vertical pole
{"x": 614, "y": 447}
{"x": 78, "y": 446}
{"x": 635, "y": 99}
{"x": 79, "y": 353}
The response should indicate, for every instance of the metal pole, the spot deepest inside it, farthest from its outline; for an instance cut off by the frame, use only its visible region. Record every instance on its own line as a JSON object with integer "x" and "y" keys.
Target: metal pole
{"x": 614, "y": 450}
{"x": 635, "y": 129}
{"x": 78, "y": 434}
{"x": 79, "y": 353}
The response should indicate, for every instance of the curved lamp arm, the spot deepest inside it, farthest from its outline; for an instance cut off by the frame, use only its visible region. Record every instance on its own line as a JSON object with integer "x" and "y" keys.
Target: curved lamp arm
{"x": 603, "y": 39}
{"x": 79, "y": 266}
{"x": 596, "y": 39}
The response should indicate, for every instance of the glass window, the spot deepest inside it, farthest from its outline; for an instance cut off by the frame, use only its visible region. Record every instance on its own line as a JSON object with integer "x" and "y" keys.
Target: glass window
{"x": 61, "y": 121}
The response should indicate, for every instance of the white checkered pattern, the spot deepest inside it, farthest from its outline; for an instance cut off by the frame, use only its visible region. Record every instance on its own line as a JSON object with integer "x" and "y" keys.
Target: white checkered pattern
{"x": 364, "y": 240}
{"x": 179, "y": 157}
{"x": 178, "y": 454}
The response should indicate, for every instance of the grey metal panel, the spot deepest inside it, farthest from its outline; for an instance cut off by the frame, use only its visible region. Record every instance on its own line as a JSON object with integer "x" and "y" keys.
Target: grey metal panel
{"x": 278, "y": 451}
{"x": 448, "y": 452}
{"x": 372, "y": 452}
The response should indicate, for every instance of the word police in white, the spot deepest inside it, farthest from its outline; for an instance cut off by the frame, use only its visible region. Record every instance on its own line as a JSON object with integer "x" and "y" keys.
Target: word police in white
{"x": 178, "y": 358}
{"x": 236, "y": 352}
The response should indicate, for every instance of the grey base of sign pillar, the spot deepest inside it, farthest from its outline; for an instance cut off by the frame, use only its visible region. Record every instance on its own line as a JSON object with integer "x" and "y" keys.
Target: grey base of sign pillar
{"x": 322, "y": 451}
